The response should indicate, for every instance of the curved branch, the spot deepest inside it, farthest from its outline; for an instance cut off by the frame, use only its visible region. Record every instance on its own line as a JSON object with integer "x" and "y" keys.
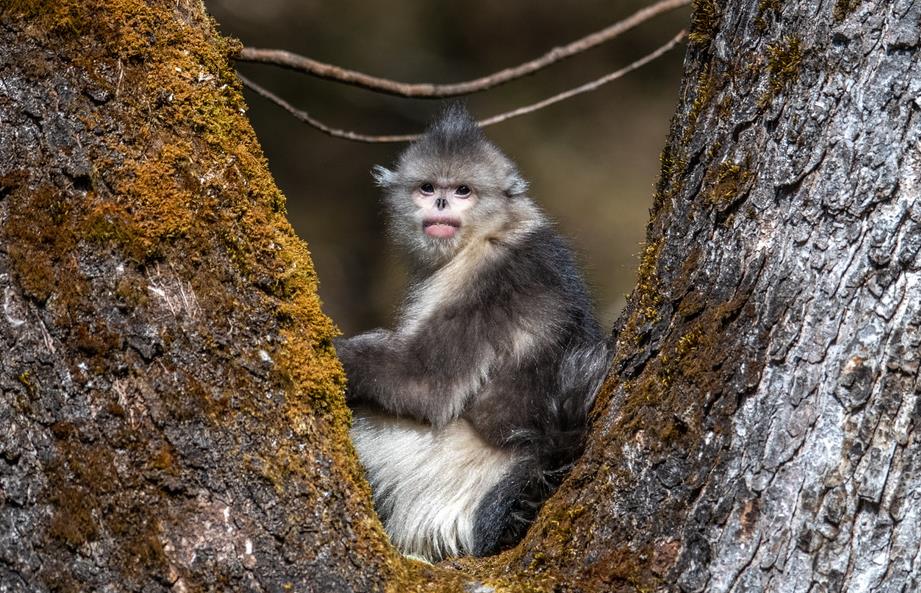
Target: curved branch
{"x": 313, "y": 122}
{"x": 588, "y": 87}
{"x": 307, "y": 65}
{"x": 306, "y": 118}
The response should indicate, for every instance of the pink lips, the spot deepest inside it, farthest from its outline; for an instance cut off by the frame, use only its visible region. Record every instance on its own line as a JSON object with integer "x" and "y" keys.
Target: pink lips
{"x": 441, "y": 227}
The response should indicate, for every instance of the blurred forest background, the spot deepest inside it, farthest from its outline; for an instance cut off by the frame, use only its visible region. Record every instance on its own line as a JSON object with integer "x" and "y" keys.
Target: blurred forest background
{"x": 592, "y": 161}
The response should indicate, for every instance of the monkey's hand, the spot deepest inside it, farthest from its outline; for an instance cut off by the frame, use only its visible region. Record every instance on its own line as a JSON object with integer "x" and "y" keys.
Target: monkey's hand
{"x": 357, "y": 355}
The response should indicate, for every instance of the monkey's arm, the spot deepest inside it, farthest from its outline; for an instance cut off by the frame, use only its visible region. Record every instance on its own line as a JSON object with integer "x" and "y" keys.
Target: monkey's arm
{"x": 360, "y": 355}
{"x": 428, "y": 376}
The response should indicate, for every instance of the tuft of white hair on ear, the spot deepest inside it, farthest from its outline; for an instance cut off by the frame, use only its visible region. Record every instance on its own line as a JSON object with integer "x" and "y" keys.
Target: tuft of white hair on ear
{"x": 383, "y": 176}
{"x": 517, "y": 186}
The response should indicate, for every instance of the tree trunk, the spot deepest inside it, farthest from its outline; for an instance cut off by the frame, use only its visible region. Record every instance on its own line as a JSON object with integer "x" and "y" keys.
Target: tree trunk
{"x": 172, "y": 408}
{"x": 759, "y": 430}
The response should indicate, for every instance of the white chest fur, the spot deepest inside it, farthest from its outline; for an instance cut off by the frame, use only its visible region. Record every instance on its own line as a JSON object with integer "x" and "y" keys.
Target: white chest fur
{"x": 427, "y": 482}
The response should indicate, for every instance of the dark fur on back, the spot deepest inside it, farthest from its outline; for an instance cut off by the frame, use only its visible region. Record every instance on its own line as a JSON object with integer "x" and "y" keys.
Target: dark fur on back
{"x": 497, "y": 329}
{"x": 553, "y": 388}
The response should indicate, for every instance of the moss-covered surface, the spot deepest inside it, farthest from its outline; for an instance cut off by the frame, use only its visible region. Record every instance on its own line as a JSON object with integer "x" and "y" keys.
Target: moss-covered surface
{"x": 784, "y": 62}
{"x": 843, "y": 8}
{"x": 765, "y": 6}
{"x": 726, "y": 182}
{"x": 193, "y": 366}
{"x": 767, "y": 9}
{"x": 704, "y": 21}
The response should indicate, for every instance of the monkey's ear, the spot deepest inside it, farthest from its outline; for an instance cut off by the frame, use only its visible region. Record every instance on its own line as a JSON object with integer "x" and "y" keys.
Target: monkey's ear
{"x": 383, "y": 176}
{"x": 517, "y": 185}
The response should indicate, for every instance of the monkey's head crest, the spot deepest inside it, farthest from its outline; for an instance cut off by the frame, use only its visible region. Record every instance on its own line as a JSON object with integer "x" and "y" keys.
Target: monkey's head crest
{"x": 449, "y": 187}
{"x": 454, "y": 146}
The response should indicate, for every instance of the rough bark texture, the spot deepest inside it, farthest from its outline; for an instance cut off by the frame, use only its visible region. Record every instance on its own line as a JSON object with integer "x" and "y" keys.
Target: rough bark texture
{"x": 171, "y": 407}
{"x": 172, "y": 413}
{"x": 760, "y": 431}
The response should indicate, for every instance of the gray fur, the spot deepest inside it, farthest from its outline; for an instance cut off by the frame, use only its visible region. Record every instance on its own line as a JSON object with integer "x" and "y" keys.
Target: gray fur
{"x": 496, "y": 355}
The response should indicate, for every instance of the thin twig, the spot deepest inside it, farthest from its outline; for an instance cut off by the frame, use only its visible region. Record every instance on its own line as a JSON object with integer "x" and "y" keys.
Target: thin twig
{"x": 307, "y": 65}
{"x": 358, "y": 137}
{"x": 315, "y": 123}
{"x": 588, "y": 87}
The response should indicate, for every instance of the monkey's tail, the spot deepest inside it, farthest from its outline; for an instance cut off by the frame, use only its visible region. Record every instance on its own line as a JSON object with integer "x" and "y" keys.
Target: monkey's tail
{"x": 554, "y": 444}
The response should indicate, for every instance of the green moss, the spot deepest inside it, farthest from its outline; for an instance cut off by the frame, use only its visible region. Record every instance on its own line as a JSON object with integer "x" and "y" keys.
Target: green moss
{"x": 656, "y": 401}
{"x": 556, "y": 528}
{"x": 704, "y": 21}
{"x": 25, "y": 378}
{"x": 704, "y": 91}
{"x": 127, "y": 29}
{"x": 724, "y": 111}
{"x": 647, "y": 283}
{"x": 724, "y": 183}
{"x": 59, "y": 17}
{"x": 843, "y": 8}
{"x": 672, "y": 167}
{"x": 785, "y": 59}
{"x": 766, "y": 7}
{"x": 107, "y": 223}
{"x": 688, "y": 342}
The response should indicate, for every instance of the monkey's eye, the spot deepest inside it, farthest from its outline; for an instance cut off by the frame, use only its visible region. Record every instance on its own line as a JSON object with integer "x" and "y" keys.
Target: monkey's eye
{"x": 427, "y": 188}
{"x": 462, "y": 191}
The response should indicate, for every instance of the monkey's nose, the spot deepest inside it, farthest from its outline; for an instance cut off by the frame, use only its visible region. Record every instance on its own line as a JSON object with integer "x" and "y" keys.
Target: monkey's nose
{"x": 441, "y": 203}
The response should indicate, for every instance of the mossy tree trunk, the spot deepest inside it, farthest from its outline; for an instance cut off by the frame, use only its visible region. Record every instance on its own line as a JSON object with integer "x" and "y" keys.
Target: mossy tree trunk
{"x": 760, "y": 427}
{"x": 172, "y": 414}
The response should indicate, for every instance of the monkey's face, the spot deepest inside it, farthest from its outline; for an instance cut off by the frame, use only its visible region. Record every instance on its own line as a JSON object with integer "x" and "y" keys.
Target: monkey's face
{"x": 446, "y": 204}
{"x": 450, "y": 188}
{"x": 442, "y": 206}
{"x": 437, "y": 206}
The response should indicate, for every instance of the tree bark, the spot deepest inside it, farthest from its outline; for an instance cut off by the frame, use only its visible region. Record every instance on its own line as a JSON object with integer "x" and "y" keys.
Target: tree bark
{"x": 172, "y": 408}
{"x": 172, "y": 414}
{"x": 759, "y": 428}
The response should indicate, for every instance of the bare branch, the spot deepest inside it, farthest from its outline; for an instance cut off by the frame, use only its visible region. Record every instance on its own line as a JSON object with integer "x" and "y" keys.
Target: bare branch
{"x": 307, "y": 65}
{"x": 315, "y": 123}
{"x": 358, "y": 137}
{"x": 588, "y": 87}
